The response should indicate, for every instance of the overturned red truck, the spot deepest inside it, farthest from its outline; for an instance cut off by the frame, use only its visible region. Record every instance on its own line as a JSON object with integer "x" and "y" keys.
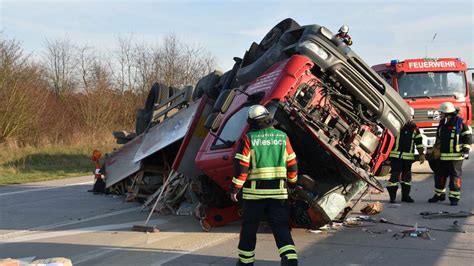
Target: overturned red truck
{"x": 340, "y": 116}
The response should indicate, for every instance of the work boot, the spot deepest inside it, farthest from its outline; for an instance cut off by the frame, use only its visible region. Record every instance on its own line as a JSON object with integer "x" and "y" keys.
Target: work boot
{"x": 437, "y": 198}
{"x": 406, "y": 193}
{"x": 392, "y": 192}
{"x": 453, "y": 201}
{"x": 287, "y": 262}
{"x": 239, "y": 263}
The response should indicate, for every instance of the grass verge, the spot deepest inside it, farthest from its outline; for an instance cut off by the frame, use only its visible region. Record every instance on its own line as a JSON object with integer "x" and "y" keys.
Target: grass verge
{"x": 22, "y": 165}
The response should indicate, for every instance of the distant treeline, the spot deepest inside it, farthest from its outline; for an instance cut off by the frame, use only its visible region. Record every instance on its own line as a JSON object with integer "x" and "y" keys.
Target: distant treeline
{"x": 69, "y": 93}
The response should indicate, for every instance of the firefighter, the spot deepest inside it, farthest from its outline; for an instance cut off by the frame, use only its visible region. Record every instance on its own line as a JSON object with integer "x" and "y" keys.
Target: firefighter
{"x": 265, "y": 165}
{"x": 454, "y": 139}
{"x": 344, "y": 36}
{"x": 402, "y": 157}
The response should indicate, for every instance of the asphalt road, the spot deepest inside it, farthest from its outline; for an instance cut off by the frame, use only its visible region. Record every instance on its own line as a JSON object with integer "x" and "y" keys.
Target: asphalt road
{"x": 61, "y": 219}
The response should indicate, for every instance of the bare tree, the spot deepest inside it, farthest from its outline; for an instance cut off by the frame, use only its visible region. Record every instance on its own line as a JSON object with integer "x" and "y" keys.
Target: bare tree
{"x": 124, "y": 72}
{"x": 144, "y": 64}
{"x": 183, "y": 64}
{"x": 170, "y": 56}
{"x": 20, "y": 92}
{"x": 60, "y": 62}
{"x": 87, "y": 58}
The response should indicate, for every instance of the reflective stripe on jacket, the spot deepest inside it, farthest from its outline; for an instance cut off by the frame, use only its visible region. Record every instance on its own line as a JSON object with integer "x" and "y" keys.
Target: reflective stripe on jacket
{"x": 265, "y": 162}
{"x": 407, "y": 140}
{"x": 453, "y": 135}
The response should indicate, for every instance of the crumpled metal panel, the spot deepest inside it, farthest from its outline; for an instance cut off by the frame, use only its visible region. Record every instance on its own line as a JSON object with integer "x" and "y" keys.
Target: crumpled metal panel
{"x": 120, "y": 164}
{"x": 166, "y": 132}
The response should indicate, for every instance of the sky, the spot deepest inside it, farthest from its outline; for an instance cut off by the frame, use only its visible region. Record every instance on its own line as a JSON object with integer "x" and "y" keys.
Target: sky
{"x": 381, "y": 30}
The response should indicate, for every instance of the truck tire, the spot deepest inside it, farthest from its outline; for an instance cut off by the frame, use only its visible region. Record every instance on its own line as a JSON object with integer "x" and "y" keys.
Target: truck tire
{"x": 207, "y": 85}
{"x": 140, "y": 123}
{"x": 262, "y": 56}
{"x": 157, "y": 94}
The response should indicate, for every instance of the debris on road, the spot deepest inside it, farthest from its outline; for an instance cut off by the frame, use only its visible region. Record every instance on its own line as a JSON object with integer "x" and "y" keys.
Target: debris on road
{"x": 314, "y": 231}
{"x": 374, "y": 191}
{"x": 59, "y": 261}
{"x": 377, "y": 232}
{"x": 372, "y": 208}
{"x": 445, "y": 214}
{"x": 414, "y": 233}
{"x": 454, "y": 227}
{"x": 9, "y": 262}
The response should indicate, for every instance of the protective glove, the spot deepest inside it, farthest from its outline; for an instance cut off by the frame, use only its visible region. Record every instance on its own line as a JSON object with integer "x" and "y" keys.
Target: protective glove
{"x": 465, "y": 153}
{"x": 421, "y": 158}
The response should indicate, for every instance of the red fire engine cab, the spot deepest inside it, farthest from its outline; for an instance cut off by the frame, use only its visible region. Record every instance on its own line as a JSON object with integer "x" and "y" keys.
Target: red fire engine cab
{"x": 424, "y": 84}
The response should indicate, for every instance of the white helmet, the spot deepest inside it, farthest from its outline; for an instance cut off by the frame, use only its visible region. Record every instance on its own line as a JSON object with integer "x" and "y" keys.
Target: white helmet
{"x": 344, "y": 29}
{"x": 447, "y": 108}
{"x": 257, "y": 112}
{"x": 412, "y": 111}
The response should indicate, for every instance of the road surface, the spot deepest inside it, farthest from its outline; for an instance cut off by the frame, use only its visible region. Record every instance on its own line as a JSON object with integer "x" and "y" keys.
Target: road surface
{"x": 61, "y": 219}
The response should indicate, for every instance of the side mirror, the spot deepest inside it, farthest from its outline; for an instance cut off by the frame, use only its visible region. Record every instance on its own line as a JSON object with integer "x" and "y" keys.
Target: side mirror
{"x": 213, "y": 122}
{"x": 223, "y": 101}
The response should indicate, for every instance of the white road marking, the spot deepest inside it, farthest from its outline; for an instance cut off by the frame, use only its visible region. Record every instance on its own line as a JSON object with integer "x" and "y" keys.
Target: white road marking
{"x": 62, "y": 224}
{"x": 44, "y": 188}
{"x": 37, "y": 235}
{"x": 208, "y": 244}
{"x": 97, "y": 253}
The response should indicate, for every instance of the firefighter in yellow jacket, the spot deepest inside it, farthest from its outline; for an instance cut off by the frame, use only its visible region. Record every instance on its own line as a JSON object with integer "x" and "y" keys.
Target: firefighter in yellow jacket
{"x": 265, "y": 165}
{"x": 402, "y": 157}
{"x": 454, "y": 138}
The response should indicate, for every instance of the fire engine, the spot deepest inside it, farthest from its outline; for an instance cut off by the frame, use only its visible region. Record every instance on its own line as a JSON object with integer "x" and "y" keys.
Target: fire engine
{"x": 426, "y": 83}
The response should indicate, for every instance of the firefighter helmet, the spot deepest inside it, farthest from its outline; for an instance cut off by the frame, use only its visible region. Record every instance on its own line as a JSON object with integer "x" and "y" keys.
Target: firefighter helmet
{"x": 344, "y": 29}
{"x": 257, "y": 112}
{"x": 447, "y": 108}
{"x": 412, "y": 112}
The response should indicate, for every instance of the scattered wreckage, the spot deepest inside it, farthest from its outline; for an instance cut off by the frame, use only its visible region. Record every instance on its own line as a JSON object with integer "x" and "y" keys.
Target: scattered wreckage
{"x": 341, "y": 117}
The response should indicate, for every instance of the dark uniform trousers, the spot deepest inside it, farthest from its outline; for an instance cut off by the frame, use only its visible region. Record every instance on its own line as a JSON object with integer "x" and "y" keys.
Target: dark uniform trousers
{"x": 454, "y": 138}
{"x": 277, "y": 212}
{"x": 453, "y": 170}
{"x": 400, "y": 167}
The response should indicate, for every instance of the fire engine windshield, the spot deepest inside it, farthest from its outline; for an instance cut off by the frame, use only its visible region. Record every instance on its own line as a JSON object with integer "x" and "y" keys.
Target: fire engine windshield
{"x": 432, "y": 84}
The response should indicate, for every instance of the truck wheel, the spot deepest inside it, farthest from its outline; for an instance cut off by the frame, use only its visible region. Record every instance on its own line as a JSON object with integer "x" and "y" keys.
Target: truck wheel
{"x": 262, "y": 56}
{"x": 158, "y": 94}
{"x": 140, "y": 123}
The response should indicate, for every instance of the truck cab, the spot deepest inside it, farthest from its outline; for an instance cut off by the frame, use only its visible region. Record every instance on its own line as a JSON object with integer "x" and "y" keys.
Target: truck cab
{"x": 426, "y": 83}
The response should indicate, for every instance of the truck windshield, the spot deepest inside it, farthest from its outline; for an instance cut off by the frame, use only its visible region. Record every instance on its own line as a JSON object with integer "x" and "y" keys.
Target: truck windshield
{"x": 432, "y": 84}
{"x": 234, "y": 126}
